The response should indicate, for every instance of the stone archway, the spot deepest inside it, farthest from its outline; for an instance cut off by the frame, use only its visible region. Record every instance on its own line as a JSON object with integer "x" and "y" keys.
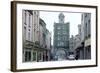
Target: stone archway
{"x": 61, "y": 54}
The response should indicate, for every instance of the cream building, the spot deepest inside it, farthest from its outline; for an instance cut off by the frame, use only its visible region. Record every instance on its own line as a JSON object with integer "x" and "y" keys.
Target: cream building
{"x": 30, "y": 29}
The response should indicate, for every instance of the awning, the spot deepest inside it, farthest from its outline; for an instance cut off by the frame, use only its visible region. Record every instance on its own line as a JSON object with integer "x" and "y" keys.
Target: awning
{"x": 87, "y": 42}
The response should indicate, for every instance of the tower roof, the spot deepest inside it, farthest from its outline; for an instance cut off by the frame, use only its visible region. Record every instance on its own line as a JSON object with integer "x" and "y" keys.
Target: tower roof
{"x": 61, "y": 15}
{"x": 61, "y": 18}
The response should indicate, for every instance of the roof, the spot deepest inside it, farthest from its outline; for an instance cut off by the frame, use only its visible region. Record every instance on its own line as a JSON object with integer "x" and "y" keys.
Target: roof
{"x": 41, "y": 21}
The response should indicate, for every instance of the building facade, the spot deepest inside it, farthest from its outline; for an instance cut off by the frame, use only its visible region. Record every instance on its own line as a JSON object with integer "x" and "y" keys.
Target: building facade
{"x": 48, "y": 44}
{"x": 27, "y": 34}
{"x": 30, "y": 35}
{"x": 34, "y": 37}
{"x": 61, "y": 36}
{"x": 42, "y": 39}
{"x": 84, "y": 49}
{"x": 45, "y": 41}
{"x": 87, "y": 35}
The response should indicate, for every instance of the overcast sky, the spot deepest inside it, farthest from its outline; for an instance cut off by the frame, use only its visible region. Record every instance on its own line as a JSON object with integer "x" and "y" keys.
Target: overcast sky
{"x": 50, "y": 17}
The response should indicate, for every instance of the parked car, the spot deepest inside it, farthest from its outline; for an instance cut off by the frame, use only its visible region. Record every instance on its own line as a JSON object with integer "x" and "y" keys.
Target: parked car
{"x": 71, "y": 57}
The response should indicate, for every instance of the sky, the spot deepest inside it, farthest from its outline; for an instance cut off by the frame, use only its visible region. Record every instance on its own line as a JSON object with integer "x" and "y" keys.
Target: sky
{"x": 50, "y": 17}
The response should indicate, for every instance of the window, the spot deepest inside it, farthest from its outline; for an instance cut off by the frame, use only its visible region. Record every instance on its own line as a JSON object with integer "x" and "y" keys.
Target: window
{"x": 61, "y": 43}
{"x": 27, "y": 56}
{"x": 64, "y": 32}
{"x": 40, "y": 56}
{"x": 86, "y": 30}
{"x": 29, "y": 36}
{"x": 34, "y": 56}
{"x": 64, "y": 37}
{"x": 24, "y": 32}
{"x": 89, "y": 21}
{"x": 63, "y": 27}
{"x": 58, "y": 38}
{"x": 58, "y": 33}
{"x": 58, "y": 44}
{"x": 29, "y": 20}
{"x": 59, "y": 27}
{"x": 25, "y": 17}
{"x": 89, "y": 27}
{"x": 29, "y": 29}
{"x": 35, "y": 12}
{"x": 86, "y": 15}
{"x": 82, "y": 17}
{"x": 61, "y": 20}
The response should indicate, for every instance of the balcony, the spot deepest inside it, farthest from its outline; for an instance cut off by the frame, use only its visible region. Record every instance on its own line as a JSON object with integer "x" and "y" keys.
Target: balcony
{"x": 28, "y": 44}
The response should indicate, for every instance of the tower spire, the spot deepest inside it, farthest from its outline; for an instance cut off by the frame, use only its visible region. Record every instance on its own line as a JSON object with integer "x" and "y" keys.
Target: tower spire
{"x": 61, "y": 18}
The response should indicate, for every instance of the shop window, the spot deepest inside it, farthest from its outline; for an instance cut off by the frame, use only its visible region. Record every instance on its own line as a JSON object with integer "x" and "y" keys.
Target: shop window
{"x": 27, "y": 56}
{"x": 39, "y": 56}
{"x": 34, "y": 56}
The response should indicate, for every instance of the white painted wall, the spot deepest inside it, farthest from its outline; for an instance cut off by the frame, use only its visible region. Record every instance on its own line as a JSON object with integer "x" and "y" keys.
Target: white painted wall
{"x": 5, "y": 38}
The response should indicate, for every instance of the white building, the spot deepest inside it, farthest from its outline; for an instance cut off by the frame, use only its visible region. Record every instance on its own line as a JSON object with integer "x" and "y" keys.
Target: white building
{"x": 30, "y": 30}
{"x": 27, "y": 34}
